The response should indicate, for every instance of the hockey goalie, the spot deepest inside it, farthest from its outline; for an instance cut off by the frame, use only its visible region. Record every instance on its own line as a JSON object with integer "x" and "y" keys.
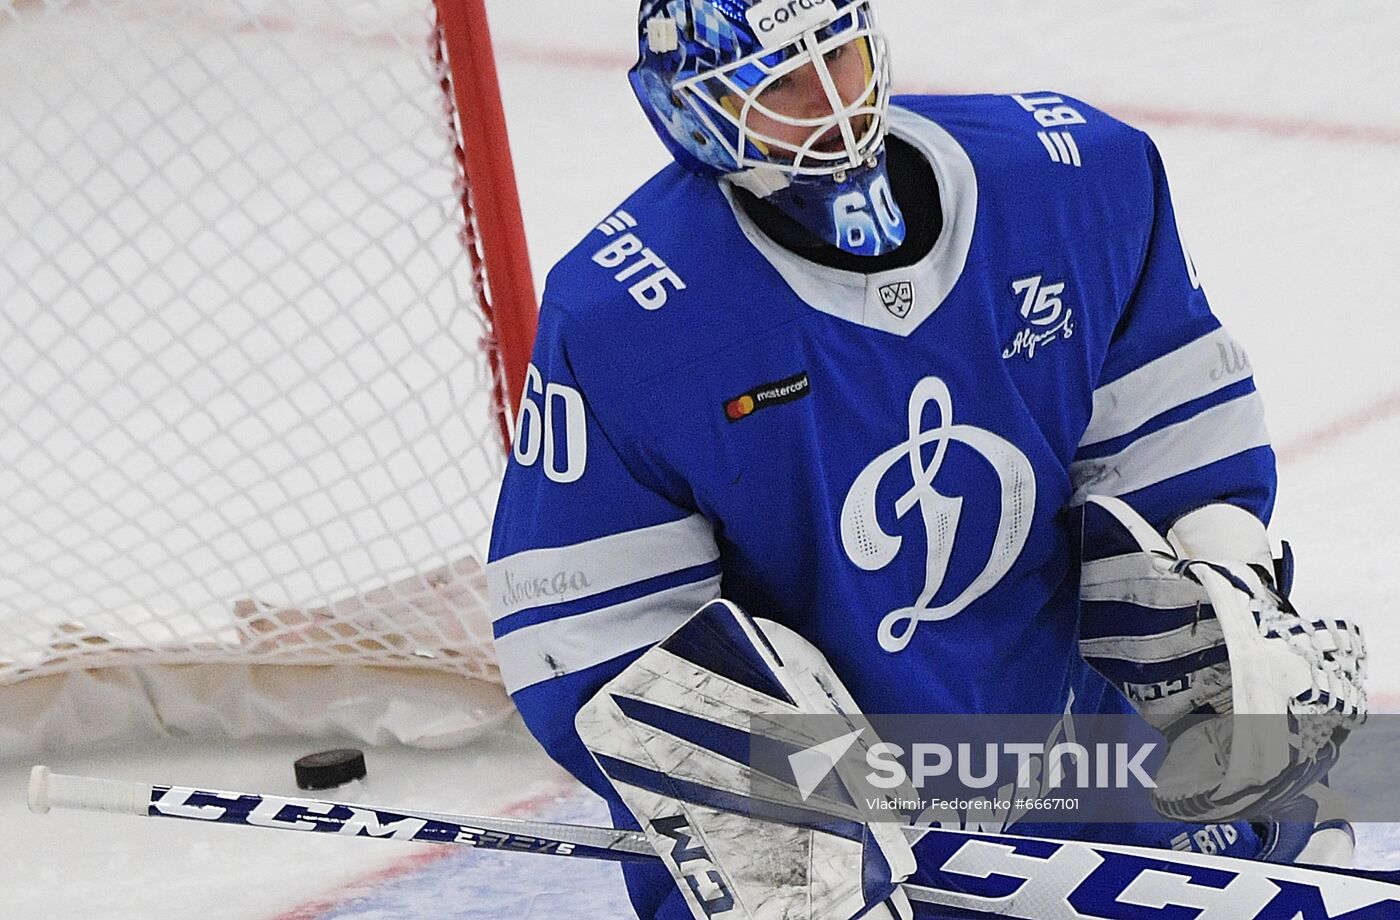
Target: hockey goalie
{"x": 928, "y": 390}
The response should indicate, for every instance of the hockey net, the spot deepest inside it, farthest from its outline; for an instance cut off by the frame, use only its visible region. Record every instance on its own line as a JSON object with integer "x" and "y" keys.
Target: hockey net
{"x": 253, "y": 340}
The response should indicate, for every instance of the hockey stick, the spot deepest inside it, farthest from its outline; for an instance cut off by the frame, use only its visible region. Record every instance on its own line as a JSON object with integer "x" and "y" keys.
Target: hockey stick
{"x": 55, "y": 790}
{"x": 982, "y": 874}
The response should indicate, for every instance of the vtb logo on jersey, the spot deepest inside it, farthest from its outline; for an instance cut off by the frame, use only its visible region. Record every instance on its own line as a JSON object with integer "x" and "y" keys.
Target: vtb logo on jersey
{"x": 898, "y": 297}
{"x": 871, "y": 548}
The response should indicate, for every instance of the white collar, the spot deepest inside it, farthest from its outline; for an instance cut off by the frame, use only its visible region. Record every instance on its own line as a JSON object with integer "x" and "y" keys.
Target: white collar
{"x": 858, "y": 298}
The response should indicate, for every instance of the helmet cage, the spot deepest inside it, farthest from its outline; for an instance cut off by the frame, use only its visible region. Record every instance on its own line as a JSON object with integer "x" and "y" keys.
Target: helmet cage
{"x": 725, "y": 98}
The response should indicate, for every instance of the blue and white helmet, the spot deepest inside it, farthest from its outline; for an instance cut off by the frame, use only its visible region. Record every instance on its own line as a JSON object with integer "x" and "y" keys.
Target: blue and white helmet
{"x": 709, "y": 77}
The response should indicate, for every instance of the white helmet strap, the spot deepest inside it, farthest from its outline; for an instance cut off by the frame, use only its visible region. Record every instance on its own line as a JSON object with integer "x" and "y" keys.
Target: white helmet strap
{"x": 761, "y": 181}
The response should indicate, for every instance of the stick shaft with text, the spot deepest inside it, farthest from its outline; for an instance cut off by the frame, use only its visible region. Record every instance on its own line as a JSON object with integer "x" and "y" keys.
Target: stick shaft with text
{"x": 55, "y": 790}
{"x": 993, "y": 875}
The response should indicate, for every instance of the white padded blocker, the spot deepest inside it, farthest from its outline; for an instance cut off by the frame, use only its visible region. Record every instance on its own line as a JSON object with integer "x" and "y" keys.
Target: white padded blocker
{"x": 830, "y": 882}
{"x": 809, "y": 676}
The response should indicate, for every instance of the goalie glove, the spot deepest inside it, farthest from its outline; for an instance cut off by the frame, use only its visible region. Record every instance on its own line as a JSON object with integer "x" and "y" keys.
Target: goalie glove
{"x": 1263, "y": 698}
{"x": 672, "y": 734}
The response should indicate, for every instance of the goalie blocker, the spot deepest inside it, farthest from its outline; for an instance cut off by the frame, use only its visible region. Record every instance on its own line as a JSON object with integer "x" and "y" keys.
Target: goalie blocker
{"x": 671, "y": 733}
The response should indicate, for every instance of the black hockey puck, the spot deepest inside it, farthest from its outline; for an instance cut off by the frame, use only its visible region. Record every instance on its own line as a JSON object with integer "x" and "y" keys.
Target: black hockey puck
{"x": 328, "y": 769}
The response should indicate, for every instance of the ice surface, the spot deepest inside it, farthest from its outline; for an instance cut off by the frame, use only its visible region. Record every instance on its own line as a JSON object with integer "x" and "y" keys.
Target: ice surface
{"x": 1280, "y": 127}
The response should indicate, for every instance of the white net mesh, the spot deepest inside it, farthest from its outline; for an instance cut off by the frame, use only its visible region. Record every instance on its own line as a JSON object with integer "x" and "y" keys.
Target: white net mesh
{"x": 245, "y": 402}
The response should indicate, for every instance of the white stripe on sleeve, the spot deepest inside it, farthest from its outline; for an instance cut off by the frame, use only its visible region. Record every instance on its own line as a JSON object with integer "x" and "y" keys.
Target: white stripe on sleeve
{"x": 555, "y": 575}
{"x": 1133, "y": 579}
{"x": 1158, "y": 648}
{"x": 1219, "y": 432}
{"x": 1212, "y": 362}
{"x": 558, "y": 647}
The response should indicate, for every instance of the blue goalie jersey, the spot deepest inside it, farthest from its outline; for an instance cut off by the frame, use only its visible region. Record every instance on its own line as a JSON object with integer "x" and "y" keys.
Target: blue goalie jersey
{"x": 887, "y": 463}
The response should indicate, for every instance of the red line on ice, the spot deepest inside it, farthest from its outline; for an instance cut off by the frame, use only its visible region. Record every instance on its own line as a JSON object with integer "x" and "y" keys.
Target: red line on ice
{"x": 1381, "y": 410}
{"x": 1375, "y": 135}
{"x": 1384, "y": 702}
{"x": 1304, "y": 129}
{"x": 315, "y": 910}
{"x": 572, "y": 58}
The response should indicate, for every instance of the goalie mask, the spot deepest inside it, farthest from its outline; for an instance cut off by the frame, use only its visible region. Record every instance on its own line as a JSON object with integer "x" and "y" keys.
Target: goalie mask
{"x": 784, "y": 98}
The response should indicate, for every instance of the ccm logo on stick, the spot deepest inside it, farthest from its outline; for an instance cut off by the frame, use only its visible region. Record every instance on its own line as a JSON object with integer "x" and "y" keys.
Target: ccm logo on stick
{"x": 330, "y": 817}
{"x": 972, "y": 872}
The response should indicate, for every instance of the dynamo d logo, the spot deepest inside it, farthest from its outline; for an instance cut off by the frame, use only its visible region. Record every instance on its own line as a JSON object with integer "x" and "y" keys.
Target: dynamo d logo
{"x": 868, "y": 545}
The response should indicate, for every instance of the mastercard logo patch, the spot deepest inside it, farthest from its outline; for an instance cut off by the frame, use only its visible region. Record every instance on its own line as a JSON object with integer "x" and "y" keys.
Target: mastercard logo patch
{"x": 787, "y": 390}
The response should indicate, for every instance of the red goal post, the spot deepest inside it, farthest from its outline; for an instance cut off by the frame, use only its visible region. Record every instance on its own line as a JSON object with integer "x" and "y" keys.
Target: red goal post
{"x": 265, "y": 311}
{"x": 495, "y": 206}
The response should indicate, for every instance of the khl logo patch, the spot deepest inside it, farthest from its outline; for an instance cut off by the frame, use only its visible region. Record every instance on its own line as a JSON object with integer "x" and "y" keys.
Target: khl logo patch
{"x": 868, "y": 545}
{"x": 898, "y": 297}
